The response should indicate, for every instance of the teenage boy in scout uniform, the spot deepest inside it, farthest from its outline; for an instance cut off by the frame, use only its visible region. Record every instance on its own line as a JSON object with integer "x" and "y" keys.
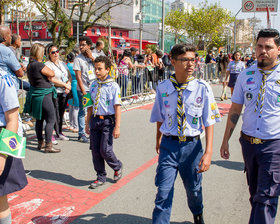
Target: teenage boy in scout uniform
{"x": 258, "y": 88}
{"x": 183, "y": 104}
{"x": 103, "y": 121}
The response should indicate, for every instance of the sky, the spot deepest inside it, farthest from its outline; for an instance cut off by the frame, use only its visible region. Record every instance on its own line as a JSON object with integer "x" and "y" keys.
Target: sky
{"x": 235, "y": 5}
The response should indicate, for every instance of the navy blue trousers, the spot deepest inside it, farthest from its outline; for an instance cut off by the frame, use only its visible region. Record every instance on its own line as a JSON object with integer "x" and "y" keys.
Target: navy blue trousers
{"x": 173, "y": 157}
{"x": 262, "y": 164}
{"x": 101, "y": 145}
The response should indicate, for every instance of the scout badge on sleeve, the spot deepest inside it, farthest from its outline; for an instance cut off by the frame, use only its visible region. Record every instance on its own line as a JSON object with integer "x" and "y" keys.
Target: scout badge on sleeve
{"x": 12, "y": 144}
{"x": 87, "y": 101}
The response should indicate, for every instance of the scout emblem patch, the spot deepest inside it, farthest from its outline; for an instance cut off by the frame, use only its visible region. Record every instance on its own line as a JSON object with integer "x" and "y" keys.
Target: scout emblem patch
{"x": 278, "y": 98}
{"x": 195, "y": 120}
{"x": 213, "y": 106}
{"x": 249, "y": 96}
{"x": 166, "y": 104}
{"x": 199, "y": 99}
{"x": 213, "y": 117}
{"x": 87, "y": 101}
{"x": 12, "y": 144}
{"x": 164, "y": 95}
{"x": 250, "y": 73}
{"x": 250, "y": 81}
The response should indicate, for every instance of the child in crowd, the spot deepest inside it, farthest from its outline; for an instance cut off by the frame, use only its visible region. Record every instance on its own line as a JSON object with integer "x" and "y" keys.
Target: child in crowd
{"x": 103, "y": 121}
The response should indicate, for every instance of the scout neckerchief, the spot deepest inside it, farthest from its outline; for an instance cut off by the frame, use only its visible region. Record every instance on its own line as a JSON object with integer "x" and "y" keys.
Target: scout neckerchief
{"x": 260, "y": 100}
{"x": 97, "y": 98}
{"x": 181, "y": 117}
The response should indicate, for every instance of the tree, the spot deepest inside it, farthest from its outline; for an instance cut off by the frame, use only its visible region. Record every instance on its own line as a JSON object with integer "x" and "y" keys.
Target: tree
{"x": 176, "y": 22}
{"x": 207, "y": 23}
{"x": 84, "y": 12}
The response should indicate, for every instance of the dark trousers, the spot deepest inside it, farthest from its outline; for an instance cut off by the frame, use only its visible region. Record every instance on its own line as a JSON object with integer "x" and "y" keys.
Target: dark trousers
{"x": 48, "y": 115}
{"x": 101, "y": 145}
{"x": 61, "y": 106}
{"x": 262, "y": 164}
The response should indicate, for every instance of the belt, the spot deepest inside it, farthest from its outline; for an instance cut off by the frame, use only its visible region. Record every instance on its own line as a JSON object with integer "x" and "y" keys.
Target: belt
{"x": 254, "y": 140}
{"x": 102, "y": 117}
{"x": 182, "y": 138}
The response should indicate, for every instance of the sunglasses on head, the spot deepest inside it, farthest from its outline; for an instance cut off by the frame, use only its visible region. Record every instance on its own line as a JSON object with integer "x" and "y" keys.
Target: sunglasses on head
{"x": 53, "y": 52}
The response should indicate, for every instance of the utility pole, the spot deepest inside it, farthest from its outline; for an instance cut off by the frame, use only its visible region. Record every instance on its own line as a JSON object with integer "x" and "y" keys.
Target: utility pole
{"x": 235, "y": 29}
{"x": 162, "y": 26}
{"x": 109, "y": 33}
{"x": 140, "y": 27}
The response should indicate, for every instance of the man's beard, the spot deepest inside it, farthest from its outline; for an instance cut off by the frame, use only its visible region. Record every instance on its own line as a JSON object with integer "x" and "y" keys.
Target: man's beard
{"x": 263, "y": 64}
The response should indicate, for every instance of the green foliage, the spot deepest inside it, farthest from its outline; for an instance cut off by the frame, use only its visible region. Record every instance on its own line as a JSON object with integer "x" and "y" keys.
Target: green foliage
{"x": 153, "y": 47}
{"x": 208, "y": 23}
{"x": 176, "y": 22}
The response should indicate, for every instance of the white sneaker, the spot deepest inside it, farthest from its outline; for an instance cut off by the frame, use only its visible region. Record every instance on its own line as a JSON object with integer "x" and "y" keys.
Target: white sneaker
{"x": 54, "y": 142}
{"x": 63, "y": 137}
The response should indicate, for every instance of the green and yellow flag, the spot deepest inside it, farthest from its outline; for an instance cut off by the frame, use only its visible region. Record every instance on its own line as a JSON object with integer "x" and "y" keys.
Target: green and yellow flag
{"x": 87, "y": 101}
{"x": 12, "y": 144}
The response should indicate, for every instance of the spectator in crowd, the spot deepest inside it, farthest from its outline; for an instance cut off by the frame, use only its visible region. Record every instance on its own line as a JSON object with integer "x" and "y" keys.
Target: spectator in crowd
{"x": 123, "y": 67}
{"x": 15, "y": 44}
{"x": 41, "y": 96}
{"x": 234, "y": 68}
{"x": 224, "y": 64}
{"x": 160, "y": 68}
{"x": 211, "y": 62}
{"x": 103, "y": 122}
{"x": 133, "y": 54}
{"x": 98, "y": 50}
{"x": 62, "y": 74}
{"x": 252, "y": 61}
{"x": 138, "y": 74}
{"x": 167, "y": 63}
{"x": 9, "y": 63}
{"x": 85, "y": 75}
{"x": 150, "y": 65}
{"x": 74, "y": 102}
{"x": 218, "y": 61}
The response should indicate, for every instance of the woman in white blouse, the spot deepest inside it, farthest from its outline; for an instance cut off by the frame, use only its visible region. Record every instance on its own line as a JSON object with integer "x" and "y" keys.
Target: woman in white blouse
{"x": 63, "y": 75}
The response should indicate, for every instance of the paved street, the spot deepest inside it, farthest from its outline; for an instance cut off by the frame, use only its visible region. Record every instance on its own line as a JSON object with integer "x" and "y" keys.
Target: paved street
{"x": 58, "y": 183}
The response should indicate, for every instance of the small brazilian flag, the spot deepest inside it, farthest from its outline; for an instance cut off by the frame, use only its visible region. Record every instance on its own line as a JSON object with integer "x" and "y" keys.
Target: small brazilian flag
{"x": 12, "y": 144}
{"x": 87, "y": 101}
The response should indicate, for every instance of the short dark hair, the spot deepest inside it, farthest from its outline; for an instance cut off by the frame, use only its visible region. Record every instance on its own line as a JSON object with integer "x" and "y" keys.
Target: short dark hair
{"x": 14, "y": 38}
{"x": 133, "y": 49}
{"x": 86, "y": 39}
{"x": 159, "y": 53}
{"x": 49, "y": 47}
{"x": 179, "y": 49}
{"x": 71, "y": 56}
{"x": 272, "y": 33}
{"x": 99, "y": 43}
{"x": 105, "y": 60}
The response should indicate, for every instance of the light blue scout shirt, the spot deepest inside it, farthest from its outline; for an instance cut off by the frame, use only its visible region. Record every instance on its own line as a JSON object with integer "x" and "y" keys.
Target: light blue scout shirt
{"x": 200, "y": 107}
{"x": 236, "y": 67}
{"x": 8, "y": 95}
{"x": 9, "y": 62}
{"x": 109, "y": 97}
{"x": 246, "y": 90}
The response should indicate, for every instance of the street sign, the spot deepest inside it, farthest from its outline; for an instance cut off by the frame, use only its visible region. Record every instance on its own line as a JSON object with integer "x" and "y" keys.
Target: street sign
{"x": 259, "y": 5}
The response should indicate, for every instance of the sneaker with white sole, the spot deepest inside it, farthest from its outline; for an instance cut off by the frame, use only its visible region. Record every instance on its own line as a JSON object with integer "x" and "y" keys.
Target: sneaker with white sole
{"x": 117, "y": 175}
{"x": 96, "y": 184}
{"x": 63, "y": 137}
{"x": 54, "y": 142}
{"x": 83, "y": 139}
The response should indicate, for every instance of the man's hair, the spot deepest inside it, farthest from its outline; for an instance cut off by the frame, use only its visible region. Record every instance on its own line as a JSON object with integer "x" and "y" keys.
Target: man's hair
{"x": 104, "y": 60}
{"x": 14, "y": 38}
{"x": 133, "y": 49}
{"x": 86, "y": 39}
{"x": 71, "y": 56}
{"x": 179, "y": 49}
{"x": 99, "y": 43}
{"x": 270, "y": 33}
{"x": 159, "y": 53}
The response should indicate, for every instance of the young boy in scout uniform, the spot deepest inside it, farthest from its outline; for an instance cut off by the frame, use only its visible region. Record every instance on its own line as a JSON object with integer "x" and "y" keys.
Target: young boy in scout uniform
{"x": 103, "y": 121}
{"x": 183, "y": 104}
{"x": 258, "y": 89}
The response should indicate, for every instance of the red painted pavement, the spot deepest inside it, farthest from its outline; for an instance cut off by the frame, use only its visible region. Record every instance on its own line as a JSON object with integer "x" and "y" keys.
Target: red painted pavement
{"x": 42, "y": 202}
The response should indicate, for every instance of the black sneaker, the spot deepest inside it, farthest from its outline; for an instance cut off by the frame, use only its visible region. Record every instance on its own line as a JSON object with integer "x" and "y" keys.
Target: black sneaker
{"x": 96, "y": 184}
{"x": 198, "y": 219}
{"x": 117, "y": 175}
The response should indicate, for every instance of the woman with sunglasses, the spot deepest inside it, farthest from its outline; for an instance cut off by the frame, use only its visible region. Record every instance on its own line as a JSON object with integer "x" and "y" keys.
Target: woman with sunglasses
{"x": 63, "y": 75}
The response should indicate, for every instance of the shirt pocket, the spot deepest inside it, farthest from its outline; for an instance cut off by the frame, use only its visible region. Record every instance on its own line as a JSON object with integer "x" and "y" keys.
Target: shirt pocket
{"x": 107, "y": 99}
{"x": 193, "y": 116}
{"x": 274, "y": 95}
{"x": 251, "y": 93}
